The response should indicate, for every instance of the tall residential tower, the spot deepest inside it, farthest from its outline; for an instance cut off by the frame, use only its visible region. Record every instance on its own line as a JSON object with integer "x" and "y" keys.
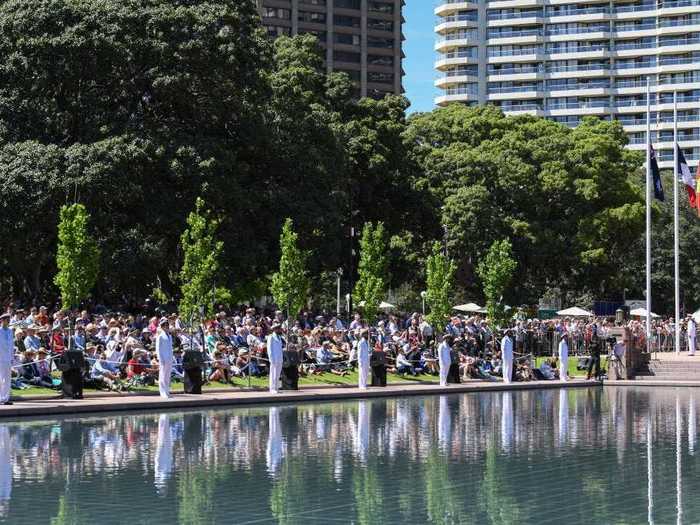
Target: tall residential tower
{"x": 362, "y": 38}
{"x": 564, "y": 60}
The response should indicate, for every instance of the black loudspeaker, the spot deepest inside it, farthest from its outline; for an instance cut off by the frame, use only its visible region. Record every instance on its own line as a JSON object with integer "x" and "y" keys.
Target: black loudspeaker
{"x": 377, "y": 359}
{"x": 193, "y": 359}
{"x": 72, "y": 360}
{"x": 193, "y": 380}
{"x": 290, "y": 358}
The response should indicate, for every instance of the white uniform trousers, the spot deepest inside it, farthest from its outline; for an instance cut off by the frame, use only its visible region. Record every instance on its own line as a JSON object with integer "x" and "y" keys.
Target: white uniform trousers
{"x": 164, "y": 374}
{"x": 275, "y": 371}
{"x": 563, "y": 366}
{"x": 363, "y": 367}
{"x": 444, "y": 370}
{"x": 5, "y": 381}
{"x": 691, "y": 345}
{"x": 507, "y": 368}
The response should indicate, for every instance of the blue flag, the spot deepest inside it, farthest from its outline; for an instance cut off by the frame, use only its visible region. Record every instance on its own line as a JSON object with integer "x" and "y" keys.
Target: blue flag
{"x": 656, "y": 175}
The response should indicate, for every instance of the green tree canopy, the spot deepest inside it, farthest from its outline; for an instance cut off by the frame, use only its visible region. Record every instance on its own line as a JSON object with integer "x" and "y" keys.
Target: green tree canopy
{"x": 200, "y": 272}
{"x": 290, "y": 284}
{"x": 566, "y": 197}
{"x": 440, "y": 273}
{"x": 496, "y": 271}
{"x": 77, "y": 258}
{"x": 372, "y": 269}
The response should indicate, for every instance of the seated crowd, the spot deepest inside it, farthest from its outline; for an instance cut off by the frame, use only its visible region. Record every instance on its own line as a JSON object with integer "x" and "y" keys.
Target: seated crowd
{"x": 119, "y": 348}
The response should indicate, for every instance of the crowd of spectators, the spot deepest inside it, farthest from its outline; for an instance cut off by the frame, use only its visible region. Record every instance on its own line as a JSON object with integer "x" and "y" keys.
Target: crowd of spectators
{"x": 120, "y": 353}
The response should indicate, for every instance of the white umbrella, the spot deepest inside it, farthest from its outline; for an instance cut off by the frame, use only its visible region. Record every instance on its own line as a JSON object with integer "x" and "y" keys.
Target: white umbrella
{"x": 575, "y": 311}
{"x": 382, "y": 306}
{"x": 641, "y": 312}
{"x": 696, "y": 316}
{"x": 469, "y": 307}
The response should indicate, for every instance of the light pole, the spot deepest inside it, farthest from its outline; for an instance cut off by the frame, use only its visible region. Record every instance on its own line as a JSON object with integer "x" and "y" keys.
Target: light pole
{"x": 339, "y": 274}
{"x": 423, "y": 294}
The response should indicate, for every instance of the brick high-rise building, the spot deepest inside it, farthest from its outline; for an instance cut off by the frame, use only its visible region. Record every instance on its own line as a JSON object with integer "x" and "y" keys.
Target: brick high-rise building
{"x": 361, "y": 37}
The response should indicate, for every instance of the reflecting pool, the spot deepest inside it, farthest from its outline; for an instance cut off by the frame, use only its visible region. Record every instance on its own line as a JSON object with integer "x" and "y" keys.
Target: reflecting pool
{"x": 601, "y": 455}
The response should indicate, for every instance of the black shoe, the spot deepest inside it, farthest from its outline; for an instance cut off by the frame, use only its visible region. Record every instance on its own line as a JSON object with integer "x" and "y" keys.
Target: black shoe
{"x": 78, "y": 396}
{"x": 8, "y": 403}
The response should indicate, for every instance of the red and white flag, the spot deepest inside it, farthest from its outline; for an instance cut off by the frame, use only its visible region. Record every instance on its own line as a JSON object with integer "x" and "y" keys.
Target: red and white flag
{"x": 687, "y": 178}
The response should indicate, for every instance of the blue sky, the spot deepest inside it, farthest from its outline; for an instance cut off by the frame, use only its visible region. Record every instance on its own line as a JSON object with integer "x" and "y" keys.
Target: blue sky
{"x": 418, "y": 48}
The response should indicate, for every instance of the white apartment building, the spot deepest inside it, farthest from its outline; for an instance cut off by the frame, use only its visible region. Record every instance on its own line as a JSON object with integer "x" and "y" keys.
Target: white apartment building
{"x": 564, "y": 60}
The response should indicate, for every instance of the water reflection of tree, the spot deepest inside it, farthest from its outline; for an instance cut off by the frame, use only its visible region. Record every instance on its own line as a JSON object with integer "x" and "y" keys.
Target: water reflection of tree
{"x": 497, "y": 497}
{"x": 68, "y": 512}
{"x": 195, "y": 495}
{"x": 445, "y": 501}
{"x": 288, "y": 499}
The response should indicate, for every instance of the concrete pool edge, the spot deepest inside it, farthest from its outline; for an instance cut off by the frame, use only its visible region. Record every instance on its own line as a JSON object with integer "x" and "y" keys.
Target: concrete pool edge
{"x": 652, "y": 382}
{"x": 150, "y": 403}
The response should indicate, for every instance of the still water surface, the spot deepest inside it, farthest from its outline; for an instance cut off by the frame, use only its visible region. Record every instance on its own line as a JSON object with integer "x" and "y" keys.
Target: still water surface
{"x": 612, "y": 455}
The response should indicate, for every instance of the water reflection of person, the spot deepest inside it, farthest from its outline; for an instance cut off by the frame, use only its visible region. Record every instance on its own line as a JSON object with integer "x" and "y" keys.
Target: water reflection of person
{"x": 444, "y": 424}
{"x": 563, "y": 416}
{"x": 164, "y": 455}
{"x": 5, "y": 471}
{"x": 507, "y": 421}
{"x": 362, "y": 434}
{"x": 273, "y": 454}
{"x": 692, "y": 424}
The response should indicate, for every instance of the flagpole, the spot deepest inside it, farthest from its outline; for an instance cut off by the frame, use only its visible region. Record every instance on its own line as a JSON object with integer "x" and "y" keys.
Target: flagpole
{"x": 648, "y": 217}
{"x": 676, "y": 241}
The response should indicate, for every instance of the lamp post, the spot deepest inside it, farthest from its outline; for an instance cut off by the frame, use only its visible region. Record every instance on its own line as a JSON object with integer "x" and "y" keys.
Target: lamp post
{"x": 339, "y": 275}
{"x": 423, "y": 294}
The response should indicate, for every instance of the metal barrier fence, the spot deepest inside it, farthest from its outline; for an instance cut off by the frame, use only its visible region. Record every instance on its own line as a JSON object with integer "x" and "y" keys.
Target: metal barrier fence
{"x": 546, "y": 344}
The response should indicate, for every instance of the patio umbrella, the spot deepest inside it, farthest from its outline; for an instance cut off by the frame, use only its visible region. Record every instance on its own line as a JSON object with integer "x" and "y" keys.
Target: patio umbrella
{"x": 575, "y": 311}
{"x": 641, "y": 312}
{"x": 469, "y": 307}
{"x": 382, "y": 306}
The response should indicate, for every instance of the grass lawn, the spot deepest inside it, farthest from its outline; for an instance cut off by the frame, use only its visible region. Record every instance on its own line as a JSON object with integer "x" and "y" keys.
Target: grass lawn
{"x": 573, "y": 361}
{"x": 323, "y": 379}
{"x": 255, "y": 382}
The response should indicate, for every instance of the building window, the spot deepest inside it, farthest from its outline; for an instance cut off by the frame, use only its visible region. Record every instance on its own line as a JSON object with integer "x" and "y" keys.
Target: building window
{"x": 346, "y": 38}
{"x": 346, "y": 56}
{"x": 348, "y": 4}
{"x": 380, "y": 7}
{"x": 277, "y": 12}
{"x": 380, "y": 60}
{"x": 312, "y": 17}
{"x": 346, "y": 21}
{"x": 387, "y": 43}
{"x": 380, "y": 25}
{"x": 382, "y": 78}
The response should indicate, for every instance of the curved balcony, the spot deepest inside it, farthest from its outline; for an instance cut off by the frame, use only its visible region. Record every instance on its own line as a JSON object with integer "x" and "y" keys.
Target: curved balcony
{"x": 446, "y": 81}
{"x": 448, "y": 7}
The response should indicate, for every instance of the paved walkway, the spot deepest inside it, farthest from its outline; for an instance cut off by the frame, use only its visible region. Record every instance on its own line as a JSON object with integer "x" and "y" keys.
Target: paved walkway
{"x": 110, "y": 403}
{"x": 671, "y": 356}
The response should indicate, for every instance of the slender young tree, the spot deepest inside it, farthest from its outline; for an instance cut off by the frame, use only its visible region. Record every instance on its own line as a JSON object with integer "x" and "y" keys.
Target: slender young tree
{"x": 200, "y": 269}
{"x": 496, "y": 272}
{"x": 440, "y": 273}
{"x": 372, "y": 270}
{"x": 290, "y": 284}
{"x": 77, "y": 257}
